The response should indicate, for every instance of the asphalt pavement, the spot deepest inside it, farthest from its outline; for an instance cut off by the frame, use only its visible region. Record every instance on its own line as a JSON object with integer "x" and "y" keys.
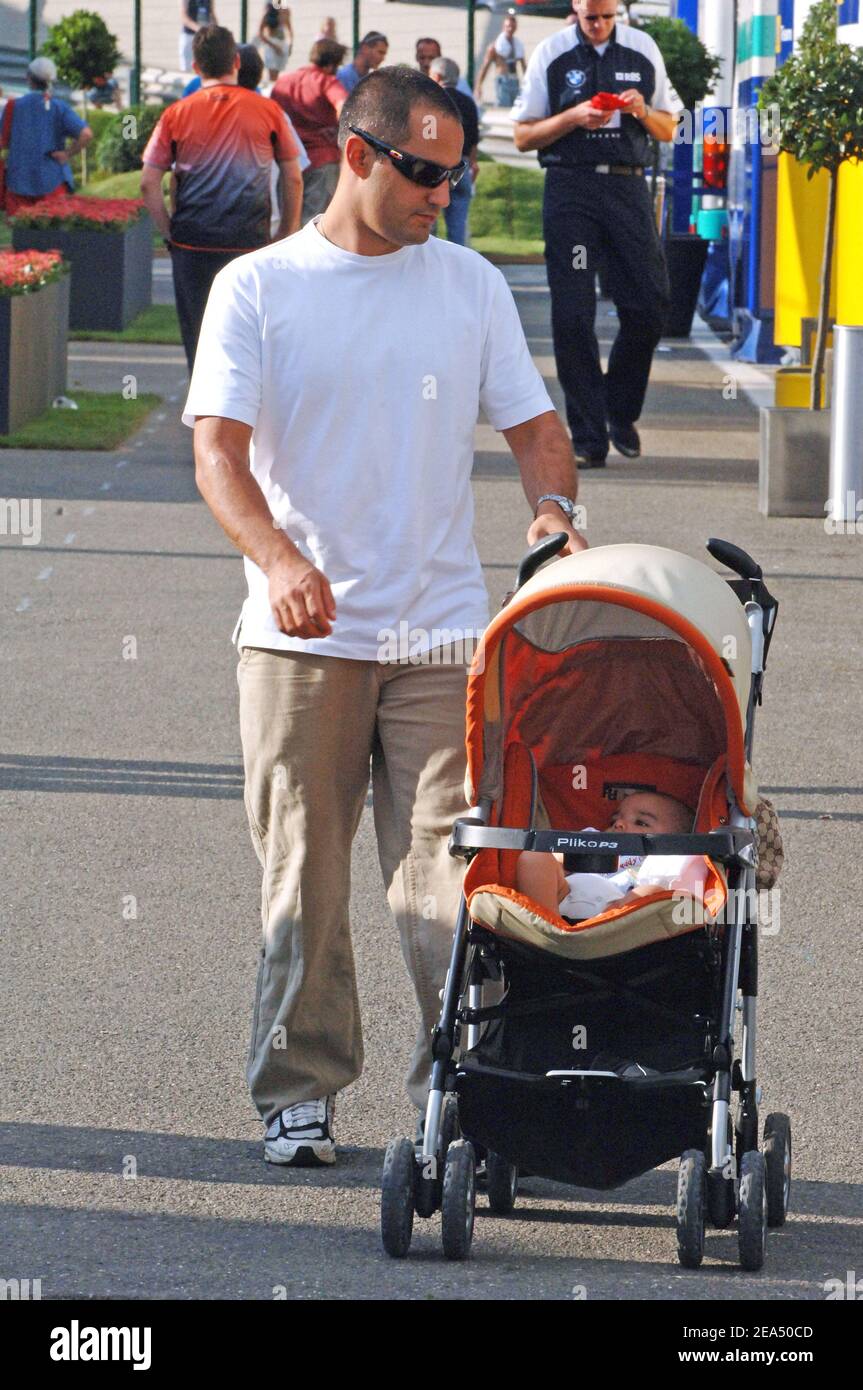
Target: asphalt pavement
{"x": 130, "y": 1156}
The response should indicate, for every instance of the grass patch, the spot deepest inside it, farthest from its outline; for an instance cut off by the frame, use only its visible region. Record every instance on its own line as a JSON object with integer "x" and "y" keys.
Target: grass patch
{"x": 506, "y": 214}
{"x": 102, "y": 421}
{"x": 101, "y": 185}
{"x": 156, "y": 324}
{"x": 513, "y": 248}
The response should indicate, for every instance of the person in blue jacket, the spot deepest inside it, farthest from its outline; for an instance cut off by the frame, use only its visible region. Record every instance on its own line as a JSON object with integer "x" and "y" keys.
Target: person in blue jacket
{"x": 39, "y": 161}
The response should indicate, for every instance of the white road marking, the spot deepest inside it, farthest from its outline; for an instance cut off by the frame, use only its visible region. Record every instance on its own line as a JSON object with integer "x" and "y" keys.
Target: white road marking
{"x": 88, "y": 511}
{"x": 67, "y": 540}
{"x": 124, "y": 463}
{"x": 45, "y": 573}
{"x": 23, "y": 605}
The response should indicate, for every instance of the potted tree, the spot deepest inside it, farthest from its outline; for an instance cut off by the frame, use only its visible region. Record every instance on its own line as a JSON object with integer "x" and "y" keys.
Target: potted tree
{"x": 693, "y": 71}
{"x": 34, "y": 322}
{"x": 83, "y": 49}
{"x": 819, "y": 95}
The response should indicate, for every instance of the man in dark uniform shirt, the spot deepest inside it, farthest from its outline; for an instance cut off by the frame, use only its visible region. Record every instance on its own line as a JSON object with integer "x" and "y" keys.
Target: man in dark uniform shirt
{"x": 597, "y": 212}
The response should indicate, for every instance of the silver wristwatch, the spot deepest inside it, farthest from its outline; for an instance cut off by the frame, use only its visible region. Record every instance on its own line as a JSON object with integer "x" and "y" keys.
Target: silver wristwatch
{"x": 566, "y": 504}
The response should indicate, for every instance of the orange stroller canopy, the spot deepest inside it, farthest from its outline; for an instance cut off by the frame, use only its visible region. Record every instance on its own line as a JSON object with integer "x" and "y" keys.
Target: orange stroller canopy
{"x": 618, "y": 658}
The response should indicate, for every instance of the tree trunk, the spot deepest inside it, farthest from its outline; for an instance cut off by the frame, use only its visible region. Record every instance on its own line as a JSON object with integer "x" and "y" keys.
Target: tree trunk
{"x": 826, "y": 277}
{"x": 84, "y": 151}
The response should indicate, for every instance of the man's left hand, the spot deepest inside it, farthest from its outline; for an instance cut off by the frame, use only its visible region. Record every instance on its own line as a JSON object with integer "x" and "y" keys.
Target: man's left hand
{"x": 635, "y": 103}
{"x": 550, "y": 522}
{"x": 60, "y": 156}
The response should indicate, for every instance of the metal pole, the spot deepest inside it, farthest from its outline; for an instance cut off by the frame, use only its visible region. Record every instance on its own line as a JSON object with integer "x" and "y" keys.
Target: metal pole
{"x": 33, "y": 28}
{"x": 135, "y": 75}
{"x": 846, "y": 437}
{"x": 356, "y": 25}
{"x": 244, "y": 20}
{"x": 471, "y": 15}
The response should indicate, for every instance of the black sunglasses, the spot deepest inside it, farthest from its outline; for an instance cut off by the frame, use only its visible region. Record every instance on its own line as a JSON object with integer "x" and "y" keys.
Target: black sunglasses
{"x": 422, "y": 171}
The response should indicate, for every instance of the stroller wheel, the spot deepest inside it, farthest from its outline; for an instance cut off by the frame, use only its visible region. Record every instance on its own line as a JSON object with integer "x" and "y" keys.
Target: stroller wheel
{"x": 691, "y": 1200}
{"x": 777, "y": 1161}
{"x": 397, "y": 1197}
{"x": 458, "y": 1200}
{"x": 502, "y": 1182}
{"x": 752, "y": 1210}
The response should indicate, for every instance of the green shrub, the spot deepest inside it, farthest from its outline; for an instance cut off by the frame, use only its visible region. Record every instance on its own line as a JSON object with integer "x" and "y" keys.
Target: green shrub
{"x": 693, "y": 70}
{"x": 124, "y": 137}
{"x": 82, "y": 47}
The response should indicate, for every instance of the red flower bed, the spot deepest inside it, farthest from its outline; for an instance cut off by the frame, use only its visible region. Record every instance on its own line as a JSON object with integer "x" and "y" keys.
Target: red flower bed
{"x": 24, "y": 271}
{"x": 99, "y": 214}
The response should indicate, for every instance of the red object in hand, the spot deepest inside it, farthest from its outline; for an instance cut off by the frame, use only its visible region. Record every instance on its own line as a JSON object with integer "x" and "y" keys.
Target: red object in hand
{"x": 608, "y": 101}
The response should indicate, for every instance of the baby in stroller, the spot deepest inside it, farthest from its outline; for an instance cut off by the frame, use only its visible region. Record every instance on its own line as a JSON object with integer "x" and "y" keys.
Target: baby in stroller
{"x": 578, "y": 896}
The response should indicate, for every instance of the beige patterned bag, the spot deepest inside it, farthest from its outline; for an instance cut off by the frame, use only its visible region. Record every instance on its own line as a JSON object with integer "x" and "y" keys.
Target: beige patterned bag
{"x": 768, "y": 836}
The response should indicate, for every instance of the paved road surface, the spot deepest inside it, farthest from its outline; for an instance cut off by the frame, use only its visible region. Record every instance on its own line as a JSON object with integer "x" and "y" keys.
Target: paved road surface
{"x": 124, "y": 1035}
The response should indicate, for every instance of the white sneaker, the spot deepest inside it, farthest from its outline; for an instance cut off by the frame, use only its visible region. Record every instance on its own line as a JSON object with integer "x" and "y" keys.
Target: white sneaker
{"x": 301, "y": 1135}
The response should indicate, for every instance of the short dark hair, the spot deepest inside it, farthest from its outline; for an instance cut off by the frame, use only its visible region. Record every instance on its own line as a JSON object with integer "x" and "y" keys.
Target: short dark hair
{"x": 382, "y": 103}
{"x": 373, "y": 36}
{"x": 436, "y": 43}
{"x": 326, "y": 53}
{"x": 214, "y": 50}
{"x": 251, "y": 66}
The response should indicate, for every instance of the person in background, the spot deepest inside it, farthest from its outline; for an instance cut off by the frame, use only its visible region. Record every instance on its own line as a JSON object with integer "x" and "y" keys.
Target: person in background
{"x": 426, "y": 51}
{"x": 276, "y": 37}
{"x": 597, "y": 199}
{"x": 249, "y": 75}
{"x": 370, "y": 54}
{"x": 445, "y": 72}
{"x": 38, "y": 126}
{"x": 313, "y": 97}
{"x": 220, "y": 142}
{"x": 194, "y": 14}
{"x": 506, "y": 53}
{"x": 104, "y": 91}
{"x": 328, "y": 30}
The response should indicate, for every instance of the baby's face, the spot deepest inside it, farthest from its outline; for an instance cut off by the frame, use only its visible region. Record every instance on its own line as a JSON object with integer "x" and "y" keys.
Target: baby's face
{"x": 647, "y": 813}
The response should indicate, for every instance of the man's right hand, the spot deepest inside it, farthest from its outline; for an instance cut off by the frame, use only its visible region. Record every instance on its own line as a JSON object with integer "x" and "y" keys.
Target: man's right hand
{"x": 301, "y": 598}
{"x": 589, "y": 117}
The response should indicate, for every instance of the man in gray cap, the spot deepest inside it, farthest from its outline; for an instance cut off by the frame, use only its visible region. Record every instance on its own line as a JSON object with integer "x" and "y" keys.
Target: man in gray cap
{"x": 38, "y": 165}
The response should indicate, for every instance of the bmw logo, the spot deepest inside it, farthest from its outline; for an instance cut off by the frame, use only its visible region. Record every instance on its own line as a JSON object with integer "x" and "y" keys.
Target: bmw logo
{"x": 575, "y": 78}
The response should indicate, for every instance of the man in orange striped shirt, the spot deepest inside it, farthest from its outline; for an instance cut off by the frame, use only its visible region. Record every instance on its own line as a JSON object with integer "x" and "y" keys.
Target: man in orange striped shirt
{"x": 220, "y": 142}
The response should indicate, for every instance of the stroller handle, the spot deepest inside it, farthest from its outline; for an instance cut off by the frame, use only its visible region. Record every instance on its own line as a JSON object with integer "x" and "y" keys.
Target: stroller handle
{"x": 543, "y": 550}
{"x": 734, "y": 558}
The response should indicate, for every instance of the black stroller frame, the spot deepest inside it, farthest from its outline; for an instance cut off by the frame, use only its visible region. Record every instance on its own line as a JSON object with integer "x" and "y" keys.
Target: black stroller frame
{"x": 683, "y": 1112}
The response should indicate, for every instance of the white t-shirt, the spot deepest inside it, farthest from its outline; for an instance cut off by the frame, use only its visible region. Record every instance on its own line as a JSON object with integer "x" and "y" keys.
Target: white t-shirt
{"x": 510, "y": 49}
{"x": 362, "y": 377}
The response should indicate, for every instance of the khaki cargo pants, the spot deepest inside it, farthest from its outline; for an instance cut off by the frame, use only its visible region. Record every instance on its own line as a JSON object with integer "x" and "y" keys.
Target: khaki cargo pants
{"x": 311, "y": 728}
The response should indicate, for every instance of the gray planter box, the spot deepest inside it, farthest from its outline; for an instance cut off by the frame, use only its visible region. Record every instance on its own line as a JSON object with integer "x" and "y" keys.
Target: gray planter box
{"x": 33, "y": 332}
{"x": 112, "y": 272}
{"x": 794, "y": 462}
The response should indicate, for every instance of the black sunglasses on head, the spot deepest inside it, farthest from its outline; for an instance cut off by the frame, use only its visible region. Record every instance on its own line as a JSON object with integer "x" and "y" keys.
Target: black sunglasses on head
{"x": 421, "y": 171}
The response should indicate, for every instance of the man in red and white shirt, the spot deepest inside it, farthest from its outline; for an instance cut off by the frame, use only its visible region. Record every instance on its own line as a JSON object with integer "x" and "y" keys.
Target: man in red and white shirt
{"x": 221, "y": 143}
{"x": 313, "y": 97}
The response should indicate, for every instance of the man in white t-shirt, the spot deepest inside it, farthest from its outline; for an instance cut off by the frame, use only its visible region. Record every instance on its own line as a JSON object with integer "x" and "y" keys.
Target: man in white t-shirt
{"x": 507, "y": 55}
{"x": 336, "y": 388}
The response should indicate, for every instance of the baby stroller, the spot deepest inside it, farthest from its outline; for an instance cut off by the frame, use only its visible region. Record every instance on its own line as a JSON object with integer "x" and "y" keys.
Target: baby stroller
{"x": 592, "y": 1052}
